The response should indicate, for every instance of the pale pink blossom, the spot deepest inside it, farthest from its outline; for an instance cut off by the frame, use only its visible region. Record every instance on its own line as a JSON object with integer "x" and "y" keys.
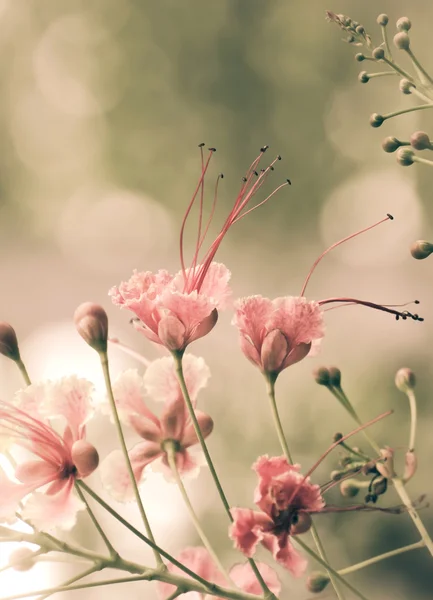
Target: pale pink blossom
{"x": 275, "y": 334}
{"x": 48, "y": 477}
{"x": 286, "y": 499}
{"x": 131, "y": 393}
{"x": 200, "y": 562}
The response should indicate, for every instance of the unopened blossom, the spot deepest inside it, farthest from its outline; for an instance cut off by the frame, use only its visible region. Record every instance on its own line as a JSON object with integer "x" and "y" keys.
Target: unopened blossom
{"x": 174, "y": 426}
{"x": 285, "y": 498}
{"x": 175, "y": 310}
{"x": 275, "y": 334}
{"x": 199, "y": 560}
{"x": 58, "y": 460}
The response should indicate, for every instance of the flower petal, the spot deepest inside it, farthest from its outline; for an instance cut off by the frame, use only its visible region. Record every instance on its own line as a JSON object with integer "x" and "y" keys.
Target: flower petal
{"x": 248, "y": 529}
{"x": 286, "y": 555}
{"x": 128, "y": 391}
{"x": 244, "y": 578}
{"x": 205, "y": 423}
{"x": 70, "y": 398}
{"x": 173, "y": 419}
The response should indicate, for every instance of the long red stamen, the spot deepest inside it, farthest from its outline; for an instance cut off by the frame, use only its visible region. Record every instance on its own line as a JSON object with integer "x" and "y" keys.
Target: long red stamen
{"x": 346, "y": 239}
{"x": 386, "y": 305}
{"x": 383, "y": 307}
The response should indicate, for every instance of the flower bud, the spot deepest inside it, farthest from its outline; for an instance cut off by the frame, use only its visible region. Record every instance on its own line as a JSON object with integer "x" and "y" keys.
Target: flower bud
{"x": 405, "y": 86}
{"x": 85, "y": 458}
{"x": 410, "y": 465}
{"x": 405, "y": 157}
{"x": 421, "y": 249}
{"x": 22, "y": 559}
{"x": 359, "y": 57}
{"x": 382, "y": 20}
{"x": 379, "y": 486}
{"x": 321, "y": 376}
{"x": 301, "y": 523}
{"x": 9, "y": 342}
{"x": 402, "y": 41}
{"x": 420, "y": 141}
{"x": 378, "y": 53}
{"x": 349, "y": 488}
{"x": 405, "y": 380}
{"x": 391, "y": 144}
{"x": 334, "y": 376}
{"x": 91, "y": 322}
{"x": 386, "y": 467}
{"x": 336, "y": 475}
{"x": 317, "y": 582}
{"x": 363, "y": 77}
{"x": 403, "y": 24}
{"x": 376, "y": 120}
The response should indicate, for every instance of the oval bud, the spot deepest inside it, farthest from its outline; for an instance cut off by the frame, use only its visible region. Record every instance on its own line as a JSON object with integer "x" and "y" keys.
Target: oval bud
{"x": 410, "y": 465}
{"x": 378, "y": 53}
{"x": 359, "y": 57}
{"x": 301, "y": 523}
{"x": 403, "y": 24}
{"x": 335, "y": 376}
{"x": 9, "y": 342}
{"x": 405, "y": 380}
{"x": 391, "y": 144}
{"x": 405, "y": 157}
{"x": 386, "y": 467}
{"x": 420, "y": 141}
{"x": 363, "y": 77}
{"x": 382, "y": 20}
{"x": 376, "y": 120}
{"x": 317, "y": 582}
{"x": 349, "y": 488}
{"x": 321, "y": 376}
{"x": 402, "y": 41}
{"x": 85, "y": 458}
{"x": 22, "y": 559}
{"x": 91, "y": 322}
{"x": 405, "y": 86}
{"x": 421, "y": 249}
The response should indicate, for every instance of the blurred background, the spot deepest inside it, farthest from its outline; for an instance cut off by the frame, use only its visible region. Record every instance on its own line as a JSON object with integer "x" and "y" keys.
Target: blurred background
{"x": 103, "y": 103}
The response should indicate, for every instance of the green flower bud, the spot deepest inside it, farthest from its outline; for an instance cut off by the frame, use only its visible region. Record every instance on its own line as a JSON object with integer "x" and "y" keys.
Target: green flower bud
{"x": 391, "y": 144}
{"x": 378, "y": 53}
{"x": 349, "y": 488}
{"x": 363, "y": 77}
{"x": 405, "y": 157}
{"x": 405, "y": 380}
{"x": 321, "y": 376}
{"x": 9, "y": 342}
{"x": 376, "y": 120}
{"x": 403, "y": 24}
{"x": 420, "y": 141}
{"x": 402, "y": 41}
{"x": 317, "y": 582}
{"x": 359, "y": 57}
{"x": 91, "y": 322}
{"x": 421, "y": 249}
{"x": 382, "y": 20}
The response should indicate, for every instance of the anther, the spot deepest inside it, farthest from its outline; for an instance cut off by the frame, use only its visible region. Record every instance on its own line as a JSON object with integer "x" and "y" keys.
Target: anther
{"x": 272, "y": 168}
{"x": 201, "y": 145}
{"x": 279, "y": 157}
{"x": 255, "y": 173}
{"x": 264, "y": 148}
{"x": 212, "y": 149}
{"x": 221, "y": 175}
{"x": 289, "y": 182}
{"x": 416, "y": 301}
{"x": 390, "y": 216}
{"x": 244, "y": 179}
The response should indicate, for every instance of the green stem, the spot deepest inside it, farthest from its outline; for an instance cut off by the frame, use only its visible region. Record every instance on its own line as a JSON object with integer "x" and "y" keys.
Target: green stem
{"x": 348, "y": 405}
{"x": 404, "y": 111}
{"x": 413, "y": 418}
{"x": 330, "y": 570}
{"x": 381, "y": 74}
{"x": 398, "y": 69}
{"x": 104, "y": 362}
{"x": 386, "y": 42}
{"x": 171, "y": 457}
{"x": 422, "y": 73}
{"x": 420, "y": 95}
{"x": 177, "y": 357}
{"x": 285, "y": 448}
{"x": 23, "y": 370}
{"x": 70, "y": 581}
{"x": 401, "y": 491}
{"x": 423, "y": 161}
{"x": 375, "y": 559}
{"x": 175, "y": 594}
{"x": 110, "y": 548}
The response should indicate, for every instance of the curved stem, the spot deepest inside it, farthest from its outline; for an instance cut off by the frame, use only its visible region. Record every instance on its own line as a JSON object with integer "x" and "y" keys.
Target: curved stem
{"x": 171, "y": 457}
{"x": 104, "y": 362}
{"x": 376, "y": 559}
{"x": 177, "y": 357}
{"x": 413, "y": 419}
{"x": 404, "y": 111}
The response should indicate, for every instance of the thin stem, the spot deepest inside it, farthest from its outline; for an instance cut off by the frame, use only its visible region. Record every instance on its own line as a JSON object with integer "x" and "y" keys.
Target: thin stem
{"x": 175, "y": 594}
{"x": 180, "y": 376}
{"x": 72, "y": 580}
{"x": 404, "y": 111}
{"x": 381, "y": 74}
{"x": 421, "y": 71}
{"x": 171, "y": 457}
{"x": 285, "y": 448}
{"x": 398, "y": 69}
{"x": 401, "y": 491}
{"x": 420, "y": 95}
{"x": 335, "y": 573}
{"x": 413, "y": 419}
{"x": 376, "y": 559}
{"x": 110, "y": 548}
{"x": 104, "y": 363}
{"x": 424, "y": 161}
{"x": 386, "y": 42}
{"x": 23, "y": 370}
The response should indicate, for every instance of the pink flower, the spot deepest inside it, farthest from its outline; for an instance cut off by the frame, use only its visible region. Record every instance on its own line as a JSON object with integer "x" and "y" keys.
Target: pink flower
{"x": 199, "y": 560}
{"x": 286, "y": 500}
{"x": 277, "y": 333}
{"x": 58, "y": 461}
{"x": 173, "y": 425}
{"x": 176, "y": 310}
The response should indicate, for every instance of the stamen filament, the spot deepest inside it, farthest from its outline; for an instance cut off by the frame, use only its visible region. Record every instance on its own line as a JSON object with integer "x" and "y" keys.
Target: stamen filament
{"x": 404, "y": 111}
{"x": 418, "y": 66}
{"x": 383, "y": 307}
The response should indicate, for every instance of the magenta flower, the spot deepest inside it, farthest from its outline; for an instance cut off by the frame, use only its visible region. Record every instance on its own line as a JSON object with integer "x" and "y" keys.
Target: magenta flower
{"x": 49, "y": 478}
{"x": 199, "y": 560}
{"x": 286, "y": 500}
{"x": 174, "y": 424}
{"x": 176, "y": 310}
{"x": 277, "y": 333}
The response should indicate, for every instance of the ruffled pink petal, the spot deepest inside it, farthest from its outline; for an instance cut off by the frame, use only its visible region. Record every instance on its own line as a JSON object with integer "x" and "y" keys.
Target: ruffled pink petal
{"x": 173, "y": 419}
{"x": 191, "y": 309}
{"x": 144, "y": 284}
{"x": 268, "y": 469}
{"x": 301, "y": 321}
{"x": 244, "y": 578}
{"x": 32, "y": 399}
{"x": 70, "y": 398}
{"x": 248, "y": 529}
{"x": 146, "y": 429}
{"x": 56, "y": 510}
{"x": 37, "y": 472}
{"x": 128, "y": 391}
{"x": 251, "y": 317}
{"x": 285, "y": 554}
{"x": 205, "y": 423}
{"x": 216, "y": 285}
{"x": 11, "y": 495}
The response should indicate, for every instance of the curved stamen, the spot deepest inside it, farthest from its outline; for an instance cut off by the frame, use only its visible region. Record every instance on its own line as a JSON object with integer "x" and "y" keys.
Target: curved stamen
{"x": 383, "y": 307}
